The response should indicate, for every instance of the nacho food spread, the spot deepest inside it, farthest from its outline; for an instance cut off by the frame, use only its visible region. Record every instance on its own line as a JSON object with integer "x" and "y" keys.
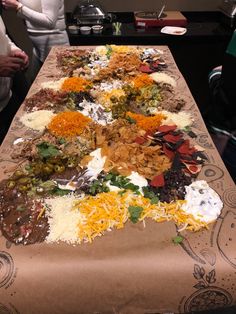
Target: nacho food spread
{"x": 110, "y": 142}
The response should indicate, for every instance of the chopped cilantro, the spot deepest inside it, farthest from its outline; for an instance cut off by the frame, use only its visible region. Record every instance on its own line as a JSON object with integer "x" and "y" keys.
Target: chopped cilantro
{"x": 121, "y": 192}
{"x": 98, "y": 186}
{"x": 130, "y": 120}
{"x": 109, "y": 176}
{"x": 151, "y": 195}
{"x": 60, "y": 192}
{"x": 177, "y": 240}
{"x": 135, "y": 212}
{"x": 154, "y": 200}
{"x": 62, "y": 140}
{"x": 132, "y": 187}
{"x": 47, "y": 150}
{"x": 187, "y": 129}
{"x": 122, "y": 182}
{"x": 119, "y": 181}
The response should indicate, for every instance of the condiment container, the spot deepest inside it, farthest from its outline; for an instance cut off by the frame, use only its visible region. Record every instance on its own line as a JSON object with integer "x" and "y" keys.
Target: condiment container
{"x": 73, "y": 29}
{"x": 97, "y": 29}
{"x": 85, "y": 30}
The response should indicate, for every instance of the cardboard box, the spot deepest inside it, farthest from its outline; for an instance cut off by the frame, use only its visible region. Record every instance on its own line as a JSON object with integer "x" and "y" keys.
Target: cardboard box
{"x": 168, "y": 18}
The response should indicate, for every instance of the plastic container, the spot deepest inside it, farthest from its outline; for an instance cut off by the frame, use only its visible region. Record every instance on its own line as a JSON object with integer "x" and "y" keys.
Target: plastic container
{"x": 97, "y": 29}
{"x": 85, "y": 30}
{"x": 73, "y": 29}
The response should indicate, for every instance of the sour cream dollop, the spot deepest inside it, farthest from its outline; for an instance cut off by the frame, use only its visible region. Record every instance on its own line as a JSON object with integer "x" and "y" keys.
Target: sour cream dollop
{"x": 96, "y": 165}
{"x": 138, "y": 180}
{"x": 202, "y": 202}
{"x": 134, "y": 178}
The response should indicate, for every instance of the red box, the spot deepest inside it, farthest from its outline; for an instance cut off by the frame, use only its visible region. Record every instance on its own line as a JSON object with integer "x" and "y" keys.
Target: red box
{"x": 168, "y": 18}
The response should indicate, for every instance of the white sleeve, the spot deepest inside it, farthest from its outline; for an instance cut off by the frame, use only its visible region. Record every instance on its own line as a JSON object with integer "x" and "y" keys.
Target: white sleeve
{"x": 12, "y": 44}
{"x": 47, "y": 18}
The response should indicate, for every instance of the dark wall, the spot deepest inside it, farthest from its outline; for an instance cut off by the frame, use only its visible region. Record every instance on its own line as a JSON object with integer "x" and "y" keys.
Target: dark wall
{"x": 134, "y": 5}
{"x": 18, "y": 32}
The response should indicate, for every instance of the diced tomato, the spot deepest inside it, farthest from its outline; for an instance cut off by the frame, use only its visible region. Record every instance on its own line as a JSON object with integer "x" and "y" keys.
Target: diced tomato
{"x": 169, "y": 153}
{"x": 172, "y": 138}
{"x": 193, "y": 169}
{"x": 158, "y": 181}
{"x": 148, "y": 133}
{"x": 191, "y": 162}
{"x": 155, "y": 64}
{"x": 186, "y": 149}
{"x": 167, "y": 128}
{"x": 145, "y": 69}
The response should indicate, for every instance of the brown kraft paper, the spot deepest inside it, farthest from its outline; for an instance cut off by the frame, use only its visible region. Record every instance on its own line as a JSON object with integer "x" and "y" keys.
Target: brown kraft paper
{"x": 134, "y": 270}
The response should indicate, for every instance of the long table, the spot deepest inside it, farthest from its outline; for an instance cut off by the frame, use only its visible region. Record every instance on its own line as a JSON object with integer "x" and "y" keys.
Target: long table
{"x": 133, "y": 270}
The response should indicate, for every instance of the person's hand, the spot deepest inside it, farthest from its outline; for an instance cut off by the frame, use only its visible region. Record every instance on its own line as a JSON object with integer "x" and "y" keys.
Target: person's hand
{"x": 10, "y": 65}
{"x": 10, "y": 4}
{"x": 22, "y": 55}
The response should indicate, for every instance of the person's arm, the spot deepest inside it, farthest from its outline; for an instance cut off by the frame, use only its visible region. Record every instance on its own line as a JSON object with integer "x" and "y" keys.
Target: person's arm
{"x": 18, "y": 53}
{"x": 47, "y": 18}
{"x": 14, "y": 51}
{"x": 11, "y": 44}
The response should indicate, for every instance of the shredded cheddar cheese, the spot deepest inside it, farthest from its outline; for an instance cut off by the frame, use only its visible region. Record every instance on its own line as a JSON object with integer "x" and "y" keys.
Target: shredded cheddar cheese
{"x": 173, "y": 211}
{"x": 142, "y": 80}
{"x": 147, "y": 123}
{"x": 107, "y": 211}
{"x": 75, "y": 84}
{"x": 101, "y": 213}
{"x": 76, "y": 220}
{"x": 123, "y": 49}
{"x": 68, "y": 124}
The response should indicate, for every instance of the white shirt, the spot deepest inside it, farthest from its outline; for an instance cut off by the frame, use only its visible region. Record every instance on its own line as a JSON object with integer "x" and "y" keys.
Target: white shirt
{"x": 43, "y": 16}
{"x": 45, "y": 22}
{"x": 6, "y": 46}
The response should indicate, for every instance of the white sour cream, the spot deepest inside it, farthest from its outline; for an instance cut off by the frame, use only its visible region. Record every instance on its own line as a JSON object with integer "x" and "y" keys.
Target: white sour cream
{"x": 112, "y": 188}
{"x": 96, "y": 165}
{"x": 134, "y": 178}
{"x": 69, "y": 186}
{"x": 138, "y": 180}
{"x": 202, "y": 201}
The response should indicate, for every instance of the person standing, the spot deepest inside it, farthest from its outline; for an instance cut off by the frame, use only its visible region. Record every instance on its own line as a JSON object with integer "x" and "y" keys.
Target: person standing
{"x": 12, "y": 60}
{"x": 45, "y": 22}
{"x": 221, "y": 119}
